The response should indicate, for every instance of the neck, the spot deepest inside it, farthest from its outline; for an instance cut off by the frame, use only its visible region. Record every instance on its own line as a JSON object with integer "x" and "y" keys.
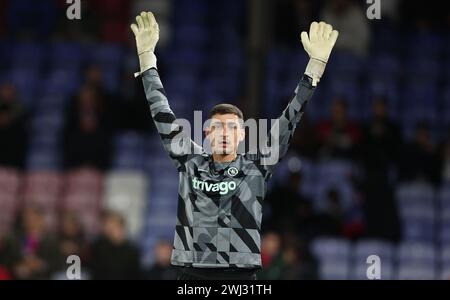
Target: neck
{"x": 224, "y": 157}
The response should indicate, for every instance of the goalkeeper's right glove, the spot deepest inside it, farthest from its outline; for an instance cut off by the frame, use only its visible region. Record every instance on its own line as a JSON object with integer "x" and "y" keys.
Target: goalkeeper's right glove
{"x": 146, "y": 33}
{"x": 318, "y": 45}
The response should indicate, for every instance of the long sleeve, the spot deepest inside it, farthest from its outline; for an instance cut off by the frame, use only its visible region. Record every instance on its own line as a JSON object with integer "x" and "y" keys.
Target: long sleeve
{"x": 177, "y": 142}
{"x": 281, "y": 132}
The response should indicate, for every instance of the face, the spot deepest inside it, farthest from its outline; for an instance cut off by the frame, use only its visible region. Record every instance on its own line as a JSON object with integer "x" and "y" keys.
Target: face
{"x": 225, "y": 133}
{"x": 113, "y": 229}
{"x": 339, "y": 112}
{"x": 270, "y": 244}
{"x": 33, "y": 221}
{"x": 379, "y": 109}
{"x": 163, "y": 253}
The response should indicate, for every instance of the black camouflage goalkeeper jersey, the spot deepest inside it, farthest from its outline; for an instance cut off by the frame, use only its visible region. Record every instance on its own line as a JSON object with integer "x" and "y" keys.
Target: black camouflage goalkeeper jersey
{"x": 219, "y": 205}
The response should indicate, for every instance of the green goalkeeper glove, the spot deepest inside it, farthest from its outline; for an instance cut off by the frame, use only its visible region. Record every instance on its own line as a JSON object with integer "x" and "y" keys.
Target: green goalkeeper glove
{"x": 146, "y": 33}
{"x": 318, "y": 45}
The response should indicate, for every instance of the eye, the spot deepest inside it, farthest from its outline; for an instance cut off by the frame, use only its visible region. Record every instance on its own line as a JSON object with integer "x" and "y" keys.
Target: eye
{"x": 232, "y": 126}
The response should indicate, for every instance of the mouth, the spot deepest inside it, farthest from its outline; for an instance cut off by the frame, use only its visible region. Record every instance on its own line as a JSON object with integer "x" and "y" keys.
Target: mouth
{"x": 224, "y": 144}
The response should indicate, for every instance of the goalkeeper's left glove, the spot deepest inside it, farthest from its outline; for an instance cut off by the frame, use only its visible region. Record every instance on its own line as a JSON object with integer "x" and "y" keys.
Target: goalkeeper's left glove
{"x": 318, "y": 45}
{"x": 146, "y": 33}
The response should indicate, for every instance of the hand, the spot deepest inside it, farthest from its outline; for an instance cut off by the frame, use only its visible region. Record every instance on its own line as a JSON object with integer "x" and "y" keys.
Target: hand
{"x": 320, "y": 42}
{"x": 318, "y": 45}
{"x": 146, "y": 33}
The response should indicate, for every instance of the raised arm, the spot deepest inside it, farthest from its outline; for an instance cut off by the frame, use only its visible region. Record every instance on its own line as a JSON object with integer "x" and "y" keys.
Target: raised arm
{"x": 318, "y": 45}
{"x": 176, "y": 142}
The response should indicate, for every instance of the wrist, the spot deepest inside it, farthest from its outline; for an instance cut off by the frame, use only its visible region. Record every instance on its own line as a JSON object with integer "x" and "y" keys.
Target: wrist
{"x": 147, "y": 60}
{"x": 315, "y": 69}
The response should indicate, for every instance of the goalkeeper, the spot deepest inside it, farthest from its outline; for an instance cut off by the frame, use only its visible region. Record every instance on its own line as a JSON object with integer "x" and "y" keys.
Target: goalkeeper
{"x": 220, "y": 196}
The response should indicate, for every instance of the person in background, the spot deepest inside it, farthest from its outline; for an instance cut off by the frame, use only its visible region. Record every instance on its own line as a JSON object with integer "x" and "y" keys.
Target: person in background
{"x": 299, "y": 264}
{"x": 272, "y": 261}
{"x": 71, "y": 237}
{"x": 71, "y": 241}
{"x": 339, "y": 135}
{"x": 380, "y": 151}
{"x": 38, "y": 255}
{"x": 113, "y": 256}
{"x": 419, "y": 159}
{"x": 381, "y": 142}
{"x": 87, "y": 136}
{"x": 13, "y": 134}
{"x": 284, "y": 200}
{"x": 330, "y": 221}
{"x": 304, "y": 141}
{"x": 9, "y": 255}
{"x": 162, "y": 269}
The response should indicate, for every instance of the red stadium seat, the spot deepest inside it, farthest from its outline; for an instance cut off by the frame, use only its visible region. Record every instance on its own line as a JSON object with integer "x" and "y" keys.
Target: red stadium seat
{"x": 82, "y": 195}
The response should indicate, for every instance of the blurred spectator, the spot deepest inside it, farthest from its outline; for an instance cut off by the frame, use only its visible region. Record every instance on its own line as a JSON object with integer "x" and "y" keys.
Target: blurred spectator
{"x": 9, "y": 255}
{"x": 304, "y": 140}
{"x": 338, "y": 136}
{"x": 13, "y": 138}
{"x": 419, "y": 159}
{"x": 304, "y": 220}
{"x": 271, "y": 257}
{"x": 379, "y": 152}
{"x": 351, "y": 22}
{"x": 299, "y": 264}
{"x": 111, "y": 114}
{"x": 71, "y": 237}
{"x": 284, "y": 201}
{"x": 88, "y": 139}
{"x": 330, "y": 221}
{"x": 381, "y": 143}
{"x": 162, "y": 269}
{"x": 113, "y": 256}
{"x": 38, "y": 255}
{"x": 292, "y": 261}
{"x": 71, "y": 241}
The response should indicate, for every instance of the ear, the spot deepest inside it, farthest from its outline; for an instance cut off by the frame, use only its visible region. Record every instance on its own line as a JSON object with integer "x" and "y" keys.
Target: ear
{"x": 207, "y": 132}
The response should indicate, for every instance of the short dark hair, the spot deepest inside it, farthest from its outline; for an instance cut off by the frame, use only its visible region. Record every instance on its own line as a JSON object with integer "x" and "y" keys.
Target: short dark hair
{"x": 225, "y": 108}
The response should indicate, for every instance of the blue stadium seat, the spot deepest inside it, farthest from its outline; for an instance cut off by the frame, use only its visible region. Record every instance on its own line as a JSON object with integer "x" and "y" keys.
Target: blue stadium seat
{"x": 345, "y": 64}
{"x": 425, "y": 70}
{"x": 416, "y": 261}
{"x": 61, "y": 82}
{"x": 423, "y": 44}
{"x": 38, "y": 17}
{"x": 107, "y": 55}
{"x": 43, "y": 160}
{"x": 27, "y": 82}
{"x": 67, "y": 55}
{"x": 28, "y": 55}
{"x": 383, "y": 67}
{"x": 334, "y": 257}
